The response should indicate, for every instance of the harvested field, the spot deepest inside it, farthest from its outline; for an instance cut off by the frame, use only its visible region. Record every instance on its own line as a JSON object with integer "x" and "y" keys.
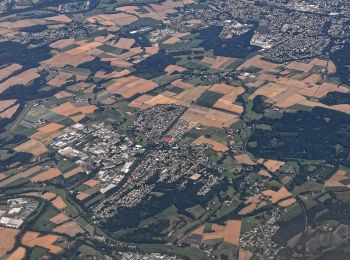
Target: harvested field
{"x": 227, "y": 105}
{"x": 125, "y": 43}
{"x": 152, "y": 50}
{"x": 24, "y": 78}
{"x": 26, "y": 174}
{"x": 2, "y": 176}
{"x": 128, "y": 9}
{"x": 140, "y": 102}
{"x": 225, "y": 89}
{"x": 210, "y": 117}
{"x": 87, "y": 109}
{"x": 46, "y": 138}
{"x": 48, "y": 196}
{"x": 319, "y": 62}
{"x": 9, "y": 70}
{"x": 163, "y": 100}
{"x": 219, "y": 147}
{"x": 230, "y": 233}
{"x": 66, "y": 109}
{"x": 167, "y": 5}
{"x": 64, "y": 59}
{"x": 18, "y": 254}
{"x": 70, "y": 228}
{"x": 174, "y": 68}
{"x": 82, "y": 196}
{"x": 304, "y": 67}
{"x": 313, "y": 79}
{"x": 77, "y": 118}
{"x": 130, "y": 86}
{"x": 46, "y": 175}
{"x": 252, "y": 204}
{"x": 337, "y": 179}
{"x": 245, "y": 159}
{"x": 244, "y": 254}
{"x": 8, "y": 113}
{"x": 118, "y": 62}
{"x": 345, "y": 108}
{"x": 331, "y": 67}
{"x": 265, "y": 173}
{"x": 172, "y": 40}
{"x": 31, "y": 146}
{"x": 269, "y": 90}
{"x": 60, "y": 79}
{"x": 191, "y": 94}
{"x": 59, "y": 218}
{"x": 283, "y": 197}
{"x": 51, "y": 127}
{"x": 115, "y": 74}
{"x": 119, "y": 19}
{"x": 219, "y": 62}
{"x": 277, "y": 196}
{"x": 58, "y": 203}
{"x": 59, "y": 18}
{"x": 91, "y": 183}
{"x": 5, "y": 104}
{"x": 24, "y": 23}
{"x": 84, "y": 48}
{"x": 62, "y": 94}
{"x": 32, "y": 239}
{"x": 180, "y": 84}
{"x": 8, "y": 239}
{"x": 73, "y": 172}
{"x": 258, "y": 62}
{"x": 273, "y": 165}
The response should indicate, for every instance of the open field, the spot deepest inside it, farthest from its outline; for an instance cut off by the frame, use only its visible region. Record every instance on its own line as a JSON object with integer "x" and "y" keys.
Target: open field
{"x": 73, "y": 172}
{"x": 9, "y": 112}
{"x": 46, "y": 137}
{"x": 302, "y": 88}
{"x": 25, "y": 174}
{"x": 91, "y": 183}
{"x": 8, "y": 239}
{"x": 31, "y": 146}
{"x": 60, "y": 79}
{"x": 5, "y": 104}
{"x": 244, "y": 254}
{"x": 9, "y": 70}
{"x": 338, "y": 179}
{"x": 219, "y": 62}
{"x": 245, "y": 159}
{"x": 273, "y": 165}
{"x": 229, "y": 233}
{"x": 219, "y": 147}
{"x": 18, "y": 254}
{"x": 32, "y": 239}
{"x": 59, "y": 218}
{"x": 48, "y": 196}
{"x": 66, "y": 109}
{"x": 70, "y": 228}
{"x": 24, "y": 78}
{"x": 210, "y": 117}
{"x": 46, "y": 175}
{"x": 64, "y": 59}
{"x": 59, "y": 203}
{"x": 283, "y": 197}
{"x": 51, "y": 127}
{"x": 130, "y": 86}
